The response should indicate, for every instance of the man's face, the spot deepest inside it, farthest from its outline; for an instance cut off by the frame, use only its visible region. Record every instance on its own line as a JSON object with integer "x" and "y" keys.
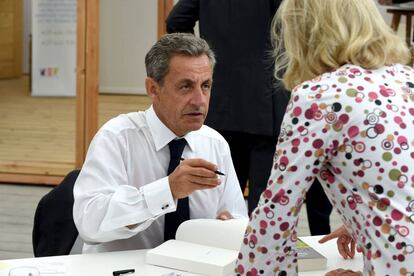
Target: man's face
{"x": 181, "y": 102}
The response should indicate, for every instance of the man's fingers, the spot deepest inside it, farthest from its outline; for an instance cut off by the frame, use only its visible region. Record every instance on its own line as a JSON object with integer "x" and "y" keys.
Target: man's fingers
{"x": 198, "y": 167}
{"x": 205, "y": 181}
{"x": 225, "y": 215}
{"x": 200, "y": 163}
{"x": 201, "y": 172}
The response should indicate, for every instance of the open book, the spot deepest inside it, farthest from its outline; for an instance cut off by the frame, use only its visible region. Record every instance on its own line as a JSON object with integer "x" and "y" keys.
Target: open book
{"x": 210, "y": 247}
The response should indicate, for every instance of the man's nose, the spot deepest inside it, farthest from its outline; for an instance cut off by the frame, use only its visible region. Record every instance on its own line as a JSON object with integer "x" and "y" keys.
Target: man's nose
{"x": 199, "y": 96}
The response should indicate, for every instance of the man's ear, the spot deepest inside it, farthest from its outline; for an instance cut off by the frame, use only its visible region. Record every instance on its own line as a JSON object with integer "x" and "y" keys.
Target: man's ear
{"x": 152, "y": 87}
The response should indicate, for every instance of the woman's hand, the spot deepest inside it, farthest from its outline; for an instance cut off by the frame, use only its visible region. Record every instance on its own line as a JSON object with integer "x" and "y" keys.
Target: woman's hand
{"x": 345, "y": 243}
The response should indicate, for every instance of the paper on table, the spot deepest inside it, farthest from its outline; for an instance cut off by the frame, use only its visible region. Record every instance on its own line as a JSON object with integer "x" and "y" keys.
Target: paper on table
{"x": 52, "y": 268}
{"x": 47, "y": 268}
{"x": 4, "y": 265}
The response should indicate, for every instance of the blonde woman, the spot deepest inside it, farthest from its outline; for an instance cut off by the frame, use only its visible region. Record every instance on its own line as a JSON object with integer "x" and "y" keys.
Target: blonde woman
{"x": 350, "y": 123}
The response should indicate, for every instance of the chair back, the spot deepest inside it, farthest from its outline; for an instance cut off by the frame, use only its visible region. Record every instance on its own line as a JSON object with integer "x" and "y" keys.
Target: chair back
{"x": 54, "y": 231}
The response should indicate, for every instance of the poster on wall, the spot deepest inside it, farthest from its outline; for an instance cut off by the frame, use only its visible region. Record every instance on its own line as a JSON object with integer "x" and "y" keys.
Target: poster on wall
{"x": 53, "y": 48}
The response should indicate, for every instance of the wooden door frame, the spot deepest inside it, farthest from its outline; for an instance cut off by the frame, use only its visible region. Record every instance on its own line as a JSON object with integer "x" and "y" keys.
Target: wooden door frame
{"x": 87, "y": 94}
{"x": 87, "y": 77}
{"x": 164, "y": 8}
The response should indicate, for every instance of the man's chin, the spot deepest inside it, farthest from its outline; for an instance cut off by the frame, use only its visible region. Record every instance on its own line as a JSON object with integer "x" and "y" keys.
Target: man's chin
{"x": 194, "y": 126}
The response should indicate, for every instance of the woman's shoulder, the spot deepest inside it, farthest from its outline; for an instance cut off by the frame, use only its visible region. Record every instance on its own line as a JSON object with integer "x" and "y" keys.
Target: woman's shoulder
{"x": 354, "y": 78}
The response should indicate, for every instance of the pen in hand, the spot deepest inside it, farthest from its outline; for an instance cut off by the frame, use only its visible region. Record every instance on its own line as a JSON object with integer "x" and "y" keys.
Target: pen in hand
{"x": 216, "y": 171}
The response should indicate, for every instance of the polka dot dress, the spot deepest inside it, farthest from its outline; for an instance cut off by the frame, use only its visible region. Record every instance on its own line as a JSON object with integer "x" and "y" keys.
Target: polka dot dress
{"x": 353, "y": 129}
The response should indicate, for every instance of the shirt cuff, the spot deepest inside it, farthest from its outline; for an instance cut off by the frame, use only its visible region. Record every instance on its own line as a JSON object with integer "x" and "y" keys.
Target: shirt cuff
{"x": 158, "y": 197}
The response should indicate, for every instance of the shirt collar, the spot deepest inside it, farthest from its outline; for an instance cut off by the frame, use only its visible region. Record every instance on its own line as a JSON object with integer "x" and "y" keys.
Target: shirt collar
{"x": 161, "y": 134}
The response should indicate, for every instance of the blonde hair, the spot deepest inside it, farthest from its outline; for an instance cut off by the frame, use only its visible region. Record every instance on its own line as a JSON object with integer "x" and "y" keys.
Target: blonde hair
{"x": 315, "y": 36}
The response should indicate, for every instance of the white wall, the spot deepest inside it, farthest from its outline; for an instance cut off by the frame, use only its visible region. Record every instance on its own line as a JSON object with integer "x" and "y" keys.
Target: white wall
{"x": 128, "y": 29}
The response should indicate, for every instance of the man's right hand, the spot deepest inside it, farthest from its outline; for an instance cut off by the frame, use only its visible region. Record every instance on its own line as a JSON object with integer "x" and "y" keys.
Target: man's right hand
{"x": 192, "y": 175}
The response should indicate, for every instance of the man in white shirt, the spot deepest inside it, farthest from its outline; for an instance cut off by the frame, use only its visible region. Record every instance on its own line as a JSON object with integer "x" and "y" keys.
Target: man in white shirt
{"x": 123, "y": 191}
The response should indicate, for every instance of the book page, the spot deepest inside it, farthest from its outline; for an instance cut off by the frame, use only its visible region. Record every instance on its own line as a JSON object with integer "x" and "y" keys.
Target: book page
{"x": 227, "y": 234}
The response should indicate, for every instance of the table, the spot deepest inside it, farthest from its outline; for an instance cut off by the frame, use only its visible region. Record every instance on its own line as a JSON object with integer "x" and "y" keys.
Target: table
{"x": 397, "y": 11}
{"x": 102, "y": 264}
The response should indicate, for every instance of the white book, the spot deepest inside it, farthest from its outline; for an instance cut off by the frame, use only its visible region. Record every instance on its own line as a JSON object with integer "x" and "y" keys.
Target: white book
{"x": 202, "y": 246}
{"x": 211, "y": 247}
{"x": 194, "y": 258}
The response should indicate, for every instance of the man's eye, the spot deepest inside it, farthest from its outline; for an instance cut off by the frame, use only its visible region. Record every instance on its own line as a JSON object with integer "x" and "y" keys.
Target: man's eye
{"x": 185, "y": 87}
{"x": 206, "y": 86}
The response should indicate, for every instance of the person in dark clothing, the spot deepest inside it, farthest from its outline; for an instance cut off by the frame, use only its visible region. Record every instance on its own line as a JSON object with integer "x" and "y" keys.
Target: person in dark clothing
{"x": 247, "y": 104}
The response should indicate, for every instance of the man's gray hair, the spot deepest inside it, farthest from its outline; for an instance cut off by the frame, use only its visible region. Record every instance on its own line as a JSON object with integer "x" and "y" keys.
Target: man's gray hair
{"x": 157, "y": 60}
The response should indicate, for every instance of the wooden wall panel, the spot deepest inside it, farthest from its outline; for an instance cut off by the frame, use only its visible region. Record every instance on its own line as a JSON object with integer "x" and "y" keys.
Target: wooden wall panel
{"x": 11, "y": 37}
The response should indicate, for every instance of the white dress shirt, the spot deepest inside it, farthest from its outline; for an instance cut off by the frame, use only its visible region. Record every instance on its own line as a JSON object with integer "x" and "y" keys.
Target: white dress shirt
{"x": 124, "y": 181}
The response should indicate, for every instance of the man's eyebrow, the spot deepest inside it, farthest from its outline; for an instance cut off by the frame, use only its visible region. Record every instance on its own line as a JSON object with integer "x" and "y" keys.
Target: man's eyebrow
{"x": 186, "y": 81}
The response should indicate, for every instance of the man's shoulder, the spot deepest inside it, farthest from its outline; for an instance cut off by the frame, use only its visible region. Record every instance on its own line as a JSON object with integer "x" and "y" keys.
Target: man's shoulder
{"x": 210, "y": 133}
{"x": 122, "y": 122}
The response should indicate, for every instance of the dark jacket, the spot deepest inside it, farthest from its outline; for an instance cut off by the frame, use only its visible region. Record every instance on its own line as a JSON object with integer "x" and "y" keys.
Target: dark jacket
{"x": 244, "y": 95}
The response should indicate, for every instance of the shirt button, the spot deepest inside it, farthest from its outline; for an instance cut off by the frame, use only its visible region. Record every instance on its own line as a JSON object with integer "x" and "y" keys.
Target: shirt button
{"x": 165, "y": 206}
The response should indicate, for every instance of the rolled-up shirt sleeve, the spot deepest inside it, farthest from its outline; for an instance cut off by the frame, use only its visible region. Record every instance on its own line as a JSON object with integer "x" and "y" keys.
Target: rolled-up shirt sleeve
{"x": 105, "y": 203}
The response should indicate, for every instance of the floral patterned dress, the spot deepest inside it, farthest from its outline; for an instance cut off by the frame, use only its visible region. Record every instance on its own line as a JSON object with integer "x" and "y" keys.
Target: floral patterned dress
{"x": 354, "y": 130}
